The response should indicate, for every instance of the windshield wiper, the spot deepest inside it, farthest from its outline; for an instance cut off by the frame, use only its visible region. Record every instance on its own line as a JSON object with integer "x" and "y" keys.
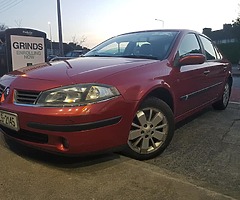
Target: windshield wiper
{"x": 94, "y": 55}
{"x": 100, "y": 55}
{"x": 141, "y": 56}
{"x": 125, "y": 56}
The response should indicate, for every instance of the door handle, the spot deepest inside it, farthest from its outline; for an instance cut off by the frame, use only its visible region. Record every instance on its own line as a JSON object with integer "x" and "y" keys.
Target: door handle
{"x": 225, "y": 66}
{"x": 206, "y": 72}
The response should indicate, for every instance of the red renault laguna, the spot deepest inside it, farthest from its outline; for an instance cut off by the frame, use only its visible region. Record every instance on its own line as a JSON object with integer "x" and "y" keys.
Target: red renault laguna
{"x": 127, "y": 92}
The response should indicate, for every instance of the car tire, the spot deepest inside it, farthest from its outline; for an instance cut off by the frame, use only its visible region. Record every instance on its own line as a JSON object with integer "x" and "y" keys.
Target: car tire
{"x": 223, "y": 102}
{"x": 151, "y": 131}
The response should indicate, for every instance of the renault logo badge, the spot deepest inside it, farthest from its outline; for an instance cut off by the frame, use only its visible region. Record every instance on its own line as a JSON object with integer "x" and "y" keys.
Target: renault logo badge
{"x": 4, "y": 94}
{"x": 6, "y": 91}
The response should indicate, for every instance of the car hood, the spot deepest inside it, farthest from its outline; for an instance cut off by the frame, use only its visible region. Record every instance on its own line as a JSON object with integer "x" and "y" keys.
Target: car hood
{"x": 46, "y": 76}
{"x": 80, "y": 70}
{"x": 94, "y": 69}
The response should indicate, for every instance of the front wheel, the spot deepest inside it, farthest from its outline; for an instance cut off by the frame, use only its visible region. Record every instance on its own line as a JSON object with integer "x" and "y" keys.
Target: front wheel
{"x": 223, "y": 102}
{"x": 151, "y": 131}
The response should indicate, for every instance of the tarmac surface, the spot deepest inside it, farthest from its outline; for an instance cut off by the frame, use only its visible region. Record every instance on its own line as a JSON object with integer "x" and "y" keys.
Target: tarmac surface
{"x": 235, "y": 97}
{"x": 206, "y": 150}
{"x": 201, "y": 163}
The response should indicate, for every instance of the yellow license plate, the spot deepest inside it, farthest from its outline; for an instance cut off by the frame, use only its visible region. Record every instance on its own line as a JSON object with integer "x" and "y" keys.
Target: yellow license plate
{"x": 9, "y": 120}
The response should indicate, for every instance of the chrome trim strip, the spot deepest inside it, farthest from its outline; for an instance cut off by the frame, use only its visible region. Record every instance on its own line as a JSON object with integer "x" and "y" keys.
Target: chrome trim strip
{"x": 186, "y": 97}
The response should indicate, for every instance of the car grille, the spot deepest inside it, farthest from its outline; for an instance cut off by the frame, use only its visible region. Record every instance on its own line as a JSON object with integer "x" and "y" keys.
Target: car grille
{"x": 26, "y": 135}
{"x": 2, "y": 87}
{"x": 26, "y": 97}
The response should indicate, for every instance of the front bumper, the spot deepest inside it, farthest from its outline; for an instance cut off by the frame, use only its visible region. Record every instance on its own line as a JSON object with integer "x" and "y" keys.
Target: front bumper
{"x": 78, "y": 130}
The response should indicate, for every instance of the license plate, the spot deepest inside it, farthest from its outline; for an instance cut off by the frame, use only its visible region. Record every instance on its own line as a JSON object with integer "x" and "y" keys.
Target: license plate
{"x": 9, "y": 120}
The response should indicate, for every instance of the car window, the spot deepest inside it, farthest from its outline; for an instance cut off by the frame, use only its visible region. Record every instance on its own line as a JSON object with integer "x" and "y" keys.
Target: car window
{"x": 75, "y": 54}
{"x": 69, "y": 54}
{"x": 148, "y": 45}
{"x": 209, "y": 49}
{"x": 189, "y": 44}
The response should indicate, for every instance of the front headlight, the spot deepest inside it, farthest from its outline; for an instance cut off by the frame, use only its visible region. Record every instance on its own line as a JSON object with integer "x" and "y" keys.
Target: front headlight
{"x": 76, "y": 95}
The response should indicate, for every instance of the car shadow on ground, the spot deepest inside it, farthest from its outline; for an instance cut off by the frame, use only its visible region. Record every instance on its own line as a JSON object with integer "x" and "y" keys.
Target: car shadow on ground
{"x": 56, "y": 160}
{"x": 193, "y": 117}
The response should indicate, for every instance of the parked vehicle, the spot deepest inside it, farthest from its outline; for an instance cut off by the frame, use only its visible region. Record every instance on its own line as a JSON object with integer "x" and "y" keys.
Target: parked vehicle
{"x": 69, "y": 55}
{"x": 76, "y": 53}
{"x": 127, "y": 92}
{"x": 50, "y": 57}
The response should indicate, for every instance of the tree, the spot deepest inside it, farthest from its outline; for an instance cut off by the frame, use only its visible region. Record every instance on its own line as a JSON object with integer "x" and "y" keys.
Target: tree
{"x": 83, "y": 39}
{"x": 18, "y": 23}
{"x": 76, "y": 44}
{"x": 3, "y": 27}
{"x": 236, "y": 22}
{"x": 236, "y": 28}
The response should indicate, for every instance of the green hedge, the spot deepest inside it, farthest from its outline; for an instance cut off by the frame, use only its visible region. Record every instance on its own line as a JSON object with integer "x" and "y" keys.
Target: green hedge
{"x": 231, "y": 51}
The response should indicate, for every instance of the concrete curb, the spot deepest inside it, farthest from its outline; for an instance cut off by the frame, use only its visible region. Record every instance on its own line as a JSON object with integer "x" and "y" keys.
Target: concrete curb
{"x": 178, "y": 185}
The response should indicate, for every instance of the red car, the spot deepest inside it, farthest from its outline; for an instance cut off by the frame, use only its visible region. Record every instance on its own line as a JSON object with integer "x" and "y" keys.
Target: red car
{"x": 127, "y": 92}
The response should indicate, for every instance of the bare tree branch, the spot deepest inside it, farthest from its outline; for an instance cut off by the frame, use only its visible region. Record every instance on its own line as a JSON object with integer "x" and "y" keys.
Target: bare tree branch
{"x": 18, "y": 23}
{"x": 3, "y": 27}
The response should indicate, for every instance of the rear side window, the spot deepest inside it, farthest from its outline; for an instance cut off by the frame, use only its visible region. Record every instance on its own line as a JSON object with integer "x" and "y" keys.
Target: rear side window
{"x": 209, "y": 48}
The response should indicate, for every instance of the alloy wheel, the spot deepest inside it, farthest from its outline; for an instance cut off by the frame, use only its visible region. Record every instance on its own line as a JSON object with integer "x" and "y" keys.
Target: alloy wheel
{"x": 226, "y": 94}
{"x": 148, "y": 131}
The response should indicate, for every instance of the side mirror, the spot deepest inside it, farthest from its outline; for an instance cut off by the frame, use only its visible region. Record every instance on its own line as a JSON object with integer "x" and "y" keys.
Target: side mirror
{"x": 191, "y": 59}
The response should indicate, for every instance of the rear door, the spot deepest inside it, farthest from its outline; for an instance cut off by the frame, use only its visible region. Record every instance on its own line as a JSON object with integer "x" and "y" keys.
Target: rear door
{"x": 191, "y": 80}
{"x": 217, "y": 68}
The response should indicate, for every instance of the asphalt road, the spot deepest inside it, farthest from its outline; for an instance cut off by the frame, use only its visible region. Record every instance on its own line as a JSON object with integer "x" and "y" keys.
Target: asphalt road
{"x": 202, "y": 162}
{"x": 235, "y": 97}
{"x": 206, "y": 151}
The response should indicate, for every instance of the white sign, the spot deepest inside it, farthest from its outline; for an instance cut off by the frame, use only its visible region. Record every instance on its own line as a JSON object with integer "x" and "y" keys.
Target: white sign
{"x": 27, "y": 51}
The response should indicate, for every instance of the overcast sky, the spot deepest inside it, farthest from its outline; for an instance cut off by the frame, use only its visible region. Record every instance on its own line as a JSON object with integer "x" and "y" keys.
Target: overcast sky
{"x": 98, "y": 20}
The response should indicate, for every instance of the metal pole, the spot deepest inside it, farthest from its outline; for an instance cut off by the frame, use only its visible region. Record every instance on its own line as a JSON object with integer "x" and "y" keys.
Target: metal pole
{"x": 50, "y": 31}
{"x": 60, "y": 29}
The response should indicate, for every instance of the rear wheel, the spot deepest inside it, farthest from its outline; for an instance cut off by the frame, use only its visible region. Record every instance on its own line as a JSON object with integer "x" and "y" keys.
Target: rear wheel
{"x": 151, "y": 131}
{"x": 223, "y": 102}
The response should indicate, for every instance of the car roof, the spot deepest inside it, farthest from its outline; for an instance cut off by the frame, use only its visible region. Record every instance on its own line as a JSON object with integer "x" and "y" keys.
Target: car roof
{"x": 162, "y": 30}
{"x": 155, "y": 30}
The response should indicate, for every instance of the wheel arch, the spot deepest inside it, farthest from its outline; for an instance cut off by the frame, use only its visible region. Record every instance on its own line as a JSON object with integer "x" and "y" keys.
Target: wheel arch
{"x": 163, "y": 94}
{"x": 230, "y": 80}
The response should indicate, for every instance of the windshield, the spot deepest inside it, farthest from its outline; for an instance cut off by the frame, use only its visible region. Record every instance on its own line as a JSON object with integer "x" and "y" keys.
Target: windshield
{"x": 148, "y": 45}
